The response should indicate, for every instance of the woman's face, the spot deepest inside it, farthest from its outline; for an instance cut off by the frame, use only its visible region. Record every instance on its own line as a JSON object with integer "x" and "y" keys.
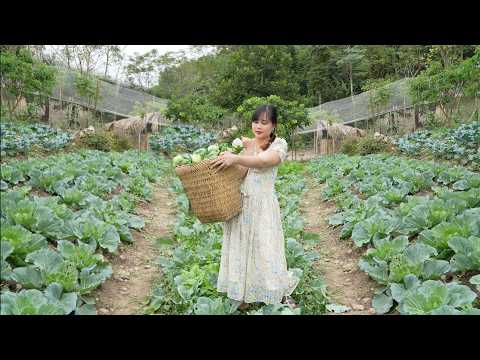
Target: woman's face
{"x": 262, "y": 128}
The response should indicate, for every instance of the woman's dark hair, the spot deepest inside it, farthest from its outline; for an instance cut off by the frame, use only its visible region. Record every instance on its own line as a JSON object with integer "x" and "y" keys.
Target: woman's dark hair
{"x": 270, "y": 112}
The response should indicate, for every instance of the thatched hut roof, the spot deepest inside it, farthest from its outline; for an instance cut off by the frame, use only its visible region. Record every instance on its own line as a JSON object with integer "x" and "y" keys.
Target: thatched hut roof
{"x": 340, "y": 131}
{"x": 152, "y": 122}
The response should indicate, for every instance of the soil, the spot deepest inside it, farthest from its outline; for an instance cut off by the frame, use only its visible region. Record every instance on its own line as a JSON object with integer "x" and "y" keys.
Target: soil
{"x": 346, "y": 283}
{"x": 134, "y": 272}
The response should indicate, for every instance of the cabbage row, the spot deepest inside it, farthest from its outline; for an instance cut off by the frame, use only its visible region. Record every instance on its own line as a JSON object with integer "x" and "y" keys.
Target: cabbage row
{"x": 18, "y": 138}
{"x": 52, "y": 245}
{"x": 180, "y": 138}
{"x": 190, "y": 268}
{"x": 461, "y": 144}
{"x": 420, "y": 224}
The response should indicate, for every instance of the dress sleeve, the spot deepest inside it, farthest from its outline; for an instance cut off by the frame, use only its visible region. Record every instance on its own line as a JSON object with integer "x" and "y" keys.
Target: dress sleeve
{"x": 281, "y": 147}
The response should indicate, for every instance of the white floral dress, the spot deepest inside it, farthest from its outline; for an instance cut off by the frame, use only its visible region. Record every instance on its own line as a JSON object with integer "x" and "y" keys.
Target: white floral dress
{"x": 253, "y": 266}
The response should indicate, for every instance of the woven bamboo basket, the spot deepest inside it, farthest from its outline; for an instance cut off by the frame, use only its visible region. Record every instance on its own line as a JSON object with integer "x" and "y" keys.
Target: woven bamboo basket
{"x": 214, "y": 197}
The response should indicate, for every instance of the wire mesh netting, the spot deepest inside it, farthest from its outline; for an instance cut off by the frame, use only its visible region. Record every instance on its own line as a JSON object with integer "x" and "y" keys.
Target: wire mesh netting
{"x": 112, "y": 98}
{"x": 120, "y": 100}
{"x": 352, "y": 109}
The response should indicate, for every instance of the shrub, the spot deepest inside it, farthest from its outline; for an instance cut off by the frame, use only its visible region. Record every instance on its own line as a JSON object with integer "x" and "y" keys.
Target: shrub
{"x": 349, "y": 146}
{"x": 370, "y": 145}
{"x": 99, "y": 140}
{"x": 194, "y": 108}
{"x": 120, "y": 143}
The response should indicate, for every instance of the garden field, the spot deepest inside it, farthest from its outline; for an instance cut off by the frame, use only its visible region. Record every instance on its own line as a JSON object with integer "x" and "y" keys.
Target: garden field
{"x": 381, "y": 216}
{"x": 413, "y": 227}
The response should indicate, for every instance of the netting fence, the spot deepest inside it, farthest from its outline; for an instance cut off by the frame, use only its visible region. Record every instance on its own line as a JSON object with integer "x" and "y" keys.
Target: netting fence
{"x": 358, "y": 111}
{"x": 115, "y": 99}
{"x": 350, "y": 110}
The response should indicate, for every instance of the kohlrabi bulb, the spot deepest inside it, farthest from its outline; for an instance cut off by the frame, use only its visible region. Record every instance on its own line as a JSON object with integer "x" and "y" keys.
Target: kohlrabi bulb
{"x": 237, "y": 143}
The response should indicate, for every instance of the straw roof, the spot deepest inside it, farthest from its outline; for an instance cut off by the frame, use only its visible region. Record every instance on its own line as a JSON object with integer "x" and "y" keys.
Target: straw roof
{"x": 340, "y": 131}
{"x": 134, "y": 125}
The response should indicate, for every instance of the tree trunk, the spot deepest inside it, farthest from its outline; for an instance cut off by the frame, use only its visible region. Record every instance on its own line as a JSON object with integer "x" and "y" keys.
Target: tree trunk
{"x": 417, "y": 118}
{"x": 106, "y": 64}
{"x": 351, "y": 82}
{"x": 96, "y": 95}
{"x": 46, "y": 115}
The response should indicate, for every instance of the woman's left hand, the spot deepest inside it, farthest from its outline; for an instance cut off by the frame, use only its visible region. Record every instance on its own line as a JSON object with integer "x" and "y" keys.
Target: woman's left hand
{"x": 224, "y": 160}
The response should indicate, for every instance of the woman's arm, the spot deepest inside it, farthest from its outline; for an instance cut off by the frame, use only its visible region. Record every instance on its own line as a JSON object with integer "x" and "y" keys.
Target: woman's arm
{"x": 263, "y": 160}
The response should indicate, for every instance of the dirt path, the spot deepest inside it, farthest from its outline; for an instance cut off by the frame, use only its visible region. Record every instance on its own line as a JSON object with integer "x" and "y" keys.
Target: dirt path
{"x": 346, "y": 283}
{"x": 133, "y": 269}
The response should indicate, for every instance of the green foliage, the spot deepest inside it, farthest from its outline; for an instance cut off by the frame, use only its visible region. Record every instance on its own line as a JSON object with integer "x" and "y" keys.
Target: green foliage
{"x": 20, "y": 138}
{"x": 447, "y": 80}
{"x": 309, "y": 74}
{"x": 255, "y": 71}
{"x": 352, "y": 60}
{"x": 53, "y": 301}
{"x": 194, "y": 108}
{"x": 120, "y": 143}
{"x": 180, "y": 138}
{"x": 57, "y": 241}
{"x": 410, "y": 238}
{"x": 436, "y": 298}
{"x": 23, "y": 76}
{"x": 191, "y": 267}
{"x": 349, "y": 146}
{"x": 369, "y": 145}
{"x": 380, "y": 93}
{"x": 467, "y": 253}
{"x": 460, "y": 144}
{"x": 291, "y": 114}
{"x": 85, "y": 86}
{"x": 104, "y": 141}
{"x": 142, "y": 69}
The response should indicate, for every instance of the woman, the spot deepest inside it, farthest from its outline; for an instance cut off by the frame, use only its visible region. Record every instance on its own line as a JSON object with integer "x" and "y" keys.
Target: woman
{"x": 253, "y": 266}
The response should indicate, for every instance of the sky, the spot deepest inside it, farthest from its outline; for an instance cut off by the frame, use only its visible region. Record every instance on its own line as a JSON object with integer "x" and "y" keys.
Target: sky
{"x": 141, "y": 49}
{"x": 130, "y": 50}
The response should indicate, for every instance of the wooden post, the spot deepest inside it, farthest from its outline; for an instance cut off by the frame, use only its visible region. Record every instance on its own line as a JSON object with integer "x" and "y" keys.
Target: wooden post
{"x": 46, "y": 115}
{"x": 417, "y": 118}
{"x": 293, "y": 147}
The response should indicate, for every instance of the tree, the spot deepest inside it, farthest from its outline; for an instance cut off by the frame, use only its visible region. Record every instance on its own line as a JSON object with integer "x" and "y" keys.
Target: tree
{"x": 84, "y": 58}
{"x": 86, "y": 87}
{"x": 87, "y": 59}
{"x": 352, "y": 60}
{"x": 410, "y": 60}
{"x": 380, "y": 93}
{"x": 113, "y": 55}
{"x": 255, "y": 70}
{"x": 194, "y": 108}
{"x": 291, "y": 114}
{"x": 321, "y": 74}
{"x": 143, "y": 69}
{"x": 446, "y": 80}
{"x": 24, "y": 77}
